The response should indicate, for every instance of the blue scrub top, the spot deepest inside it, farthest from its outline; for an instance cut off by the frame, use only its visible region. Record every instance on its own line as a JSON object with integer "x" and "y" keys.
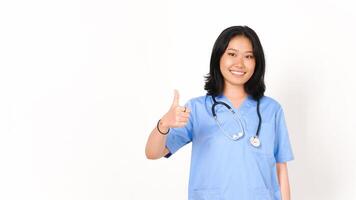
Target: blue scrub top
{"x": 226, "y": 169}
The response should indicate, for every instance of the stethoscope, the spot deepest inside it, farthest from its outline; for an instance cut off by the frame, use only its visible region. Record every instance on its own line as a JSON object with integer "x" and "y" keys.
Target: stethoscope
{"x": 254, "y": 140}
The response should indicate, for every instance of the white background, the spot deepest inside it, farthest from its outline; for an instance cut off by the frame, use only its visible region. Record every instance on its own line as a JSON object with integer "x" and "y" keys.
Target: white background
{"x": 83, "y": 83}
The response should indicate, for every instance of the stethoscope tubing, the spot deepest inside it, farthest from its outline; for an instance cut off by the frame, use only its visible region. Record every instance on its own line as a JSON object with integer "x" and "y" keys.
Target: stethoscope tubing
{"x": 254, "y": 140}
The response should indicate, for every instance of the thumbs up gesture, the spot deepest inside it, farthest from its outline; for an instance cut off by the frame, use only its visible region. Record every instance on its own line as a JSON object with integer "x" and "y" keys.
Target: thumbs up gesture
{"x": 177, "y": 116}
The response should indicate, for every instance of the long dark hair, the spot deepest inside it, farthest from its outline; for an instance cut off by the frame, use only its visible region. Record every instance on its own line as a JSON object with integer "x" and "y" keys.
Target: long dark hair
{"x": 214, "y": 81}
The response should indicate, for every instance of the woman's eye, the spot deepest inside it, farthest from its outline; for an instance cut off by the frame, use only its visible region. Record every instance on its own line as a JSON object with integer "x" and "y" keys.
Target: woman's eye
{"x": 249, "y": 56}
{"x": 231, "y": 54}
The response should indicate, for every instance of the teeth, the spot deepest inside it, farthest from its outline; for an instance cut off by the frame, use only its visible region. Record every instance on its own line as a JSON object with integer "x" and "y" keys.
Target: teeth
{"x": 238, "y": 73}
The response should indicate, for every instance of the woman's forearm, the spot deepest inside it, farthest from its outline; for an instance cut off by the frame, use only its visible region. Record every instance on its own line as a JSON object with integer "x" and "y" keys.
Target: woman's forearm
{"x": 282, "y": 172}
{"x": 155, "y": 146}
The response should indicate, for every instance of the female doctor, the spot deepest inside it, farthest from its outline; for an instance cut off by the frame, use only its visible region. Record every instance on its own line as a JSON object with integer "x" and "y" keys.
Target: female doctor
{"x": 240, "y": 142}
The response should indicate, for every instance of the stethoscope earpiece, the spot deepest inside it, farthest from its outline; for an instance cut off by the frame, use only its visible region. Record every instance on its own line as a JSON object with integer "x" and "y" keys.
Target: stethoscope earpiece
{"x": 237, "y": 136}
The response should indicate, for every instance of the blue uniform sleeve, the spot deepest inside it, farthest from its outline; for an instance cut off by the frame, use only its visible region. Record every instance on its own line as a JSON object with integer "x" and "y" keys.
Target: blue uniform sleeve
{"x": 178, "y": 137}
{"x": 282, "y": 149}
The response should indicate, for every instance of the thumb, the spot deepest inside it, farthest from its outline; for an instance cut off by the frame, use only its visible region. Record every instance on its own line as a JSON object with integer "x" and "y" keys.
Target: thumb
{"x": 176, "y": 98}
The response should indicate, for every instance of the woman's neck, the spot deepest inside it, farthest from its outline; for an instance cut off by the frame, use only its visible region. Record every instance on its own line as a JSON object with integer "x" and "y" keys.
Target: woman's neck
{"x": 235, "y": 93}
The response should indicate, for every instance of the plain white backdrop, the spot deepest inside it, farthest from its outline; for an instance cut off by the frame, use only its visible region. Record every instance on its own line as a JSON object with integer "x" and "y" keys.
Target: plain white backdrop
{"x": 83, "y": 83}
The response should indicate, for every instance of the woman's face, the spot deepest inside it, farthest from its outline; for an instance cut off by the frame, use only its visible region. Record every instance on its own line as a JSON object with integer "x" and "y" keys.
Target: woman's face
{"x": 237, "y": 64}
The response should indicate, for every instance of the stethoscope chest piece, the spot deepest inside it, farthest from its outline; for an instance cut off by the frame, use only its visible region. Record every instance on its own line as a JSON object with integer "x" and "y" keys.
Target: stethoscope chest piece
{"x": 255, "y": 141}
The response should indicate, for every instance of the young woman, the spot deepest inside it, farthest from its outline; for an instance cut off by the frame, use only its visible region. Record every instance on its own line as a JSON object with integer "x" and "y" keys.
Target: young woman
{"x": 240, "y": 142}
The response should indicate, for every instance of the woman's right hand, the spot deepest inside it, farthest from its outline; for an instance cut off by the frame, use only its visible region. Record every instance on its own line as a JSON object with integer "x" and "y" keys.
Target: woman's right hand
{"x": 177, "y": 116}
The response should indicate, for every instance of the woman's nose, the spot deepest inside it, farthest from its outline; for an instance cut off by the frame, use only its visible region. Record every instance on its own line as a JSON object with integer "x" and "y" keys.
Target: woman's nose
{"x": 239, "y": 59}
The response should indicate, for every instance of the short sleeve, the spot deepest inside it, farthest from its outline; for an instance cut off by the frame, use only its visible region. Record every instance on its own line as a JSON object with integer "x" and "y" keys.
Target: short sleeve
{"x": 178, "y": 137}
{"x": 282, "y": 149}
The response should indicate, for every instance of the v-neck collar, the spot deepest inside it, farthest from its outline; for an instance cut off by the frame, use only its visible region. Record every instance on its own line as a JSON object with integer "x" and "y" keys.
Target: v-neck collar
{"x": 246, "y": 103}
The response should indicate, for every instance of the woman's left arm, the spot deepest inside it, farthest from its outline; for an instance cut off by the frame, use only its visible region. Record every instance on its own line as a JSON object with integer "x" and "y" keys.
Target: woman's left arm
{"x": 283, "y": 180}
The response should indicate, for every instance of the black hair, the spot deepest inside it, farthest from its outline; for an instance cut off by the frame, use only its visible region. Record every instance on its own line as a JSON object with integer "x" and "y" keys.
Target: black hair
{"x": 214, "y": 81}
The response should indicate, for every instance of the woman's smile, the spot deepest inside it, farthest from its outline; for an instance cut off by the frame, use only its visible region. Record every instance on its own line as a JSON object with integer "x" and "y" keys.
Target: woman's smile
{"x": 238, "y": 73}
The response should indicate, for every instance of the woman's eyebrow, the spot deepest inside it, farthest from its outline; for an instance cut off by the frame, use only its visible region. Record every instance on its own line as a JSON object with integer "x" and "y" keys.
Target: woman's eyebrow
{"x": 237, "y": 50}
{"x": 232, "y": 49}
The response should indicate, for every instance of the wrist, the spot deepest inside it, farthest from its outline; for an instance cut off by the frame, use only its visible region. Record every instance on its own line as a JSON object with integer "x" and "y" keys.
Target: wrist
{"x": 162, "y": 127}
